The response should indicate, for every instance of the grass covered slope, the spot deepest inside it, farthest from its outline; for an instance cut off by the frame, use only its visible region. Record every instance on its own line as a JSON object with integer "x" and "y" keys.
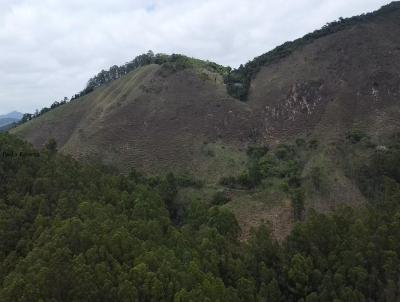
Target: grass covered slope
{"x": 169, "y": 114}
{"x": 154, "y": 118}
{"x": 172, "y": 113}
{"x": 72, "y": 232}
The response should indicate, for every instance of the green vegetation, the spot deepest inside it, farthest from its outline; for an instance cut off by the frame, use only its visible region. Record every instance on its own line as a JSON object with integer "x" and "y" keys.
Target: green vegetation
{"x": 355, "y": 136}
{"x": 283, "y": 166}
{"x": 70, "y": 232}
{"x": 380, "y": 171}
{"x": 220, "y": 198}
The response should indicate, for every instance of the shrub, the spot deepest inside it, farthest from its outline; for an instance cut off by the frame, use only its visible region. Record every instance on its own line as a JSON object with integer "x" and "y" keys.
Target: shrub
{"x": 257, "y": 152}
{"x": 220, "y": 198}
{"x": 313, "y": 144}
{"x": 300, "y": 142}
{"x": 355, "y": 136}
{"x": 285, "y": 152}
{"x": 186, "y": 180}
{"x": 228, "y": 181}
{"x": 298, "y": 198}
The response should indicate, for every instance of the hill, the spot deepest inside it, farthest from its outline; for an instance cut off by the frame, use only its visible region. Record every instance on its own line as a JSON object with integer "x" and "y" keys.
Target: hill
{"x": 9, "y": 119}
{"x": 154, "y": 118}
{"x": 14, "y": 115}
{"x": 323, "y": 104}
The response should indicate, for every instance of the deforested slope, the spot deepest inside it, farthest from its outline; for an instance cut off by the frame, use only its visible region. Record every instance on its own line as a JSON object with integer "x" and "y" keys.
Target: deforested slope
{"x": 153, "y": 119}
{"x": 343, "y": 80}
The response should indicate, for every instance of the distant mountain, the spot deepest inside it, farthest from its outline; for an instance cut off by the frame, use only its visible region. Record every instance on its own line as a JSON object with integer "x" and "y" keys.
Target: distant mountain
{"x": 7, "y": 120}
{"x": 13, "y": 115}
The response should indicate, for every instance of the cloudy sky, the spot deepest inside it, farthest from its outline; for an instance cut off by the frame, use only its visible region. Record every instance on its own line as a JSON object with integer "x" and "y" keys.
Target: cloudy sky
{"x": 50, "y": 48}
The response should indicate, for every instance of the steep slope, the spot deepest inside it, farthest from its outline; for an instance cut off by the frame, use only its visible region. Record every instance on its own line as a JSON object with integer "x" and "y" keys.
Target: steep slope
{"x": 14, "y": 115}
{"x": 153, "y": 119}
{"x": 343, "y": 80}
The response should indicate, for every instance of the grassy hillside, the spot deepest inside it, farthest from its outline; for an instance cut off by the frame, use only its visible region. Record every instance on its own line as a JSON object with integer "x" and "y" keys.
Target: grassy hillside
{"x": 154, "y": 118}
{"x": 176, "y": 115}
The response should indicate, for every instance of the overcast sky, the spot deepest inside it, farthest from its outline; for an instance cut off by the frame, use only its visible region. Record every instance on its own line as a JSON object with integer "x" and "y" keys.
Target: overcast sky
{"x": 50, "y": 48}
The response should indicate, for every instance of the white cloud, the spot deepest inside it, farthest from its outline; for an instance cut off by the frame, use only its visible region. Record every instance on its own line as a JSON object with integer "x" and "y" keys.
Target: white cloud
{"x": 50, "y": 48}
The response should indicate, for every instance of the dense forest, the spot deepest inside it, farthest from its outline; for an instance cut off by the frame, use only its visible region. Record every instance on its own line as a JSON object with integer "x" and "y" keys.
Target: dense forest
{"x": 73, "y": 232}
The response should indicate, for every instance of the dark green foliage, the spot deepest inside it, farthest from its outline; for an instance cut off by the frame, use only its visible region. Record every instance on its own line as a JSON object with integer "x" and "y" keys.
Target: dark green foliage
{"x": 313, "y": 144}
{"x": 355, "y": 136}
{"x": 229, "y": 181}
{"x": 300, "y": 142}
{"x": 220, "y": 198}
{"x": 51, "y": 146}
{"x": 285, "y": 152}
{"x": 75, "y": 233}
{"x": 284, "y": 164}
{"x": 318, "y": 179}
{"x": 383, "y": 168}
{"x": 185, "y": 180}
{"x": 257, "y": 152}
{"x": 298, "y": 199}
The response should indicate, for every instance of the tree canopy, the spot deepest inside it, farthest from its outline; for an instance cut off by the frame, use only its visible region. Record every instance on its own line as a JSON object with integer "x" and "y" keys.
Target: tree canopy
{"x": 73, "y": 232}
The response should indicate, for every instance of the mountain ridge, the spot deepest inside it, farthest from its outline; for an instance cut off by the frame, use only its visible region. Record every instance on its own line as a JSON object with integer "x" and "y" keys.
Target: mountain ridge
{"x": 309, "y": 93}
{"x": 237, "y": 80}
{"x": 315, "y": 108}
{"x": 14, "y": 114}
